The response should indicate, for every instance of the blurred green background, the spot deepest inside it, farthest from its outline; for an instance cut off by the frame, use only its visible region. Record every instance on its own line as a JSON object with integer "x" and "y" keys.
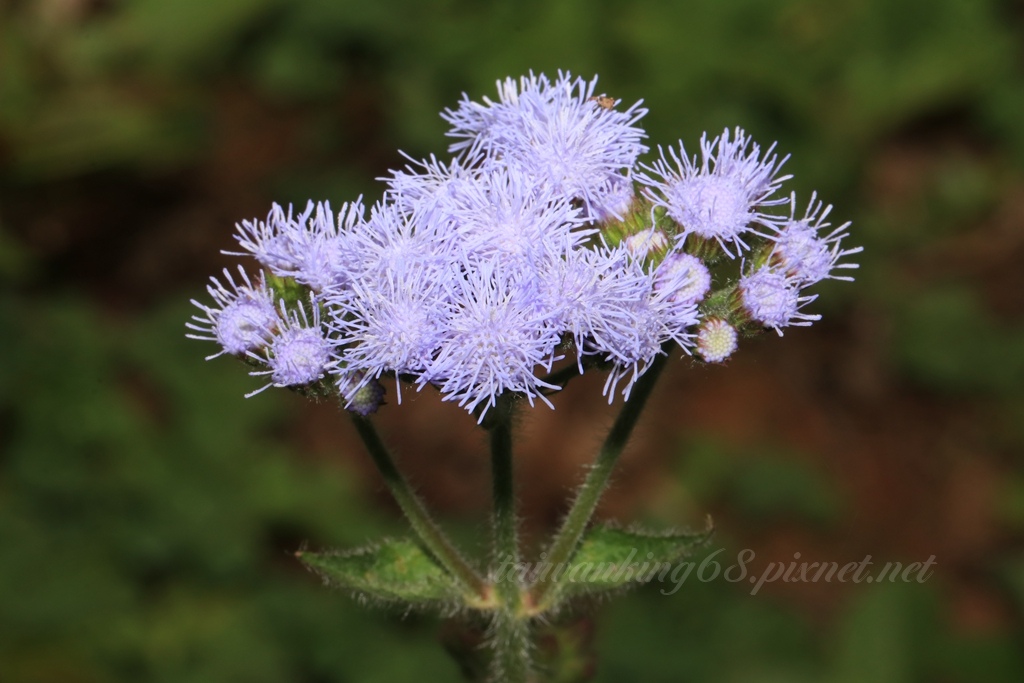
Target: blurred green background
{"x": 148, "y": 513}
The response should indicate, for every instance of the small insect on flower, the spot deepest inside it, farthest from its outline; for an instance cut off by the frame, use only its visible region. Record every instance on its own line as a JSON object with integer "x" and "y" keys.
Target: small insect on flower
{"x": 603, "y": 101}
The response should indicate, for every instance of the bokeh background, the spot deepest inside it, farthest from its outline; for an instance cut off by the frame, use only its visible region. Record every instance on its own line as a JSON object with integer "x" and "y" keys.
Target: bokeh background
{"x": 149, "y": 513}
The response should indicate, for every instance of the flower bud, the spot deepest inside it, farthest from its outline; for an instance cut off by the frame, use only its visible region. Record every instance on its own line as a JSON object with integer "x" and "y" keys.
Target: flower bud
{"x": 716, "y": 340}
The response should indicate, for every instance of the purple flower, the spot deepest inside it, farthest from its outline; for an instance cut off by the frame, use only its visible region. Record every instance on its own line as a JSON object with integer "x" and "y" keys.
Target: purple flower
{"x": 773, "y": 299}
{"x": 471, "y": 275}
{"x": 309, "y": 248}
{"x": 721, "y": 197}
{"x": 396, "y": 243}
{"x": 507, "y": 216}
{"x": 611, "y": 306}
{"x": 573, "y": 142}
{"x": 591, "y": 294}
{"x": 390, "y": 323}
{"x": 613, "y": 201}
{"x": 244, "y": 318}
{"x": 299, "y": 353}
{"x": 682, "y": 277}
{"x": 493, "y": 339}
{"x": 425, "y": 186}
{"x": 804, "y": 253}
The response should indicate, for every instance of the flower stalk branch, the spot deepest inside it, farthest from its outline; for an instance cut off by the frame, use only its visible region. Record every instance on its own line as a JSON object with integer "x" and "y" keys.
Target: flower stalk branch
{"x": 545, "y": 592}
{"x": 429, "y": 533}
{"x": 510, "y": 631}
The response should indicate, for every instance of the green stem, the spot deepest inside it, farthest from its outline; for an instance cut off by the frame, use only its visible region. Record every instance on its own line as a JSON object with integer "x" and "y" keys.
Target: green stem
{"x": 564, "y": 545}
{"x": 506, "y": 543}
{"x": 423, "y": 524}
{"x": 512, "y": 645}
{"x": 510, "y": 630}
{"x": 561, "y": 377}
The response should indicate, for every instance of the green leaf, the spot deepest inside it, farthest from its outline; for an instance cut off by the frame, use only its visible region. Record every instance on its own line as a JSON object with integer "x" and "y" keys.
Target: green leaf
{"x": 395, "y": 570}
{"x": 610, "y": 559}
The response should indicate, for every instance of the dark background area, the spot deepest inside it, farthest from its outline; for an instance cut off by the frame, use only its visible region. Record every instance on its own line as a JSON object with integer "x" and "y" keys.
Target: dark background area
{"x": 148, "y": 513}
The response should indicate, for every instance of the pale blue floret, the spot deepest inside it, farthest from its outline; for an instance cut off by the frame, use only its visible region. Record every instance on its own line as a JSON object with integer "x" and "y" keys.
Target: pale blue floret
{"x": 389, "y": 324}
{"x": 773, "y": 299}
{"x": 308, "y": 248}
{"x": 494, "y": 338}
{"x": 429, "y": 185}
{"x": 591, "y": 294}
{"x": 505, "y": 215}
{"x": 559, "y": 133}
{"x": 682, "y": 277}
{"x": 299, "y": 353}
{"x": 393, "y": 240}
{"x": 273, "y": 242}
{"x": 806, "y": 254}
{"x": 243, "y": 319}
{"x": 609, "y": 303}
{"x": 613, "y": 201}
{"x": 721, "y": 197}
{"x": 655, "y": 320}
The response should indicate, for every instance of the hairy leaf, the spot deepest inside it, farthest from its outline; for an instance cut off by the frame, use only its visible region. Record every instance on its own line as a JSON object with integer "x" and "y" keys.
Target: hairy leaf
{"x": 395, "y": 570}
{"x": 610, "y": 559}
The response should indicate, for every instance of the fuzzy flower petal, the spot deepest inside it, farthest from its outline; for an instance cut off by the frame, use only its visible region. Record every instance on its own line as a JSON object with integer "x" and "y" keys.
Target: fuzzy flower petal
{"x": 773, "y": 299}
{"x": 299, "y": 353}
{"x": 720, "y": 198}
{"x": 309, "y": 248}
{"x": 807, "y": 255}
{"x": 493, "y": 339}
{"x": 571, "y": 140}
{"x": 244, "y": 318}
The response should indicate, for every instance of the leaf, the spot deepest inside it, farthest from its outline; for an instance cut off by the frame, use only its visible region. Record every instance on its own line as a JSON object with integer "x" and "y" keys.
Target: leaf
{"x": 395, "y": 570}
{"x": 611, "y": 559}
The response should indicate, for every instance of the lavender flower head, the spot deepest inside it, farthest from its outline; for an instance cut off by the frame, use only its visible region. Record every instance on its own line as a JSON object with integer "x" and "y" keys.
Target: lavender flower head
{"x": 573, "y": 141}
{"x": 773, "y": 299}
{"x": 804, "y": 253}
{"x": 244, "y": 319}
{"x": 494, "y": 338}
{"x": 723, "y": 196}
{"x": 683, "y": 278}
{"x": 307, "y": 248}
{"x": 298, "y": 353}
{"x": 476, "y": 276}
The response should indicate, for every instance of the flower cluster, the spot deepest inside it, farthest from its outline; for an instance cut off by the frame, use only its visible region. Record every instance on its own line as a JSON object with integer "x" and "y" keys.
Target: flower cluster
{"x": 542, "y": 239}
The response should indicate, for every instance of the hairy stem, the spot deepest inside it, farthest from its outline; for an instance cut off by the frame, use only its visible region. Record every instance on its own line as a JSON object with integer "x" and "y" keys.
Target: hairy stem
{"x": 510, "y": 630}
{"x": 430, "y": 534}
{"x": 562, "y": 548}
{"x": 506, "y": 542}
{"x": 513, "y": 649}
